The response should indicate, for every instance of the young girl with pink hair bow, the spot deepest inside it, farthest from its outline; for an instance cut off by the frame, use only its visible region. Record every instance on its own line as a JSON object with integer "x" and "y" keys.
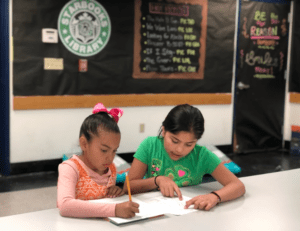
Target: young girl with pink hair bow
{"x": 92, "y": 175}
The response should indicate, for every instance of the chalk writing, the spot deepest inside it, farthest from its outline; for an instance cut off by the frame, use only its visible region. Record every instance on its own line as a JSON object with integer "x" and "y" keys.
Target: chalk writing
{"x": 259, "y": 43}
{"x": 260, "y": 16}
{"x": 260, "y": 23}
{"x": 169, "y": 9}
{"x": 257, "y": 32}
{"x": 267, "y": 60}
{"x": 170, "y": 40}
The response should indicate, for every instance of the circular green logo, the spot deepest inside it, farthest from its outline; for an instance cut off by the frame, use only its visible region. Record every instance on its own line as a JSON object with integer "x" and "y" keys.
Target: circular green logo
{"x": 84, "y": 27}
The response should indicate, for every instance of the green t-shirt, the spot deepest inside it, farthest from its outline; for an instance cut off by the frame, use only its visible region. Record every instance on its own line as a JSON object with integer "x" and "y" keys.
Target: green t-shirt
{"x": 188, "y": 170}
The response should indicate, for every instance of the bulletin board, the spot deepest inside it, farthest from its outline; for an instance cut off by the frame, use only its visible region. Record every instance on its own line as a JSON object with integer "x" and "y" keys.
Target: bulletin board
{"x": 115, "y": 75}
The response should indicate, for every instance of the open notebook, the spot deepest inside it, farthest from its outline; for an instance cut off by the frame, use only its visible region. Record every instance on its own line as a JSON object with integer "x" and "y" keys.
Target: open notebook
{"x": 152, "y": 204}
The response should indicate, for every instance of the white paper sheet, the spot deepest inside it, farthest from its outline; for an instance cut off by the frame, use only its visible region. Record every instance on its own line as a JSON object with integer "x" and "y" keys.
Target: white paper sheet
{"x": 166, "y": 204}
{"x": 152, "y": 204}
{"x": 145, "y": 210}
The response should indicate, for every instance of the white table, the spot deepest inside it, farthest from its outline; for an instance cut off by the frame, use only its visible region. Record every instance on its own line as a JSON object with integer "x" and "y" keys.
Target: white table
{"x": 271, "y": 202}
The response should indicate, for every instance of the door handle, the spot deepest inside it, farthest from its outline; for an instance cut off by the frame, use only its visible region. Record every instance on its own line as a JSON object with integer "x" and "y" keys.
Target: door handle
{"x": 242, "y": 86}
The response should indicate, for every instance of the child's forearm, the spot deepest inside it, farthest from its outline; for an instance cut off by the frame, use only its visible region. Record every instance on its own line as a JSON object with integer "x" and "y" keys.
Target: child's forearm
{"x": 141, "y": 185}
{"x": 81, "y": 208}
{"x": 231, "y": 191}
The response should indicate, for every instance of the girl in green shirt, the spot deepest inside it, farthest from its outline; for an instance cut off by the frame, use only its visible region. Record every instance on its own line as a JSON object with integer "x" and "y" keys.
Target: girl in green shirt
{"x": 174, "y": 159}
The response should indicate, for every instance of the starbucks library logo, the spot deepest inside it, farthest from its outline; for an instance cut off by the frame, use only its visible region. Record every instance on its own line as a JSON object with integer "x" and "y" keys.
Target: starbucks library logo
{"x": 84, "y": 27}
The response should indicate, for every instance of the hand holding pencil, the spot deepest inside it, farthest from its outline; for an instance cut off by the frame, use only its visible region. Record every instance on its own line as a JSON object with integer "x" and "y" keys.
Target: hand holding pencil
{"x": 127, "y": 209}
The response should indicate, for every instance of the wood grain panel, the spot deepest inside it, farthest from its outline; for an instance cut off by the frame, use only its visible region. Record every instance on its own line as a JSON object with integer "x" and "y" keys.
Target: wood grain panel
{"x": 88, "y": 101}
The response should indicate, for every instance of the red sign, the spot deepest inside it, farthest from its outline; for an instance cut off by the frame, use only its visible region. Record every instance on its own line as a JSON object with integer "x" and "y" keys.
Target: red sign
{"x": 82, "y": 65}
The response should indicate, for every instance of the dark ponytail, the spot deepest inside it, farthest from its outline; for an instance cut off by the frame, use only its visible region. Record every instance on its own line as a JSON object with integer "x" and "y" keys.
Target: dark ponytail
{"x": 186, "y": 118}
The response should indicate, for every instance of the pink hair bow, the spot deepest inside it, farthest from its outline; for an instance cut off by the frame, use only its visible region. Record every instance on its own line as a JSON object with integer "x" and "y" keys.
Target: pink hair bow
{"x": 116, "y": 113}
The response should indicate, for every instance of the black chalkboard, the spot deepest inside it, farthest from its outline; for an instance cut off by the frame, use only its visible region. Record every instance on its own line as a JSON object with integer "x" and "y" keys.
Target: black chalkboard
{"x": 263, "y": 43}
{"x": 170, "y": 39}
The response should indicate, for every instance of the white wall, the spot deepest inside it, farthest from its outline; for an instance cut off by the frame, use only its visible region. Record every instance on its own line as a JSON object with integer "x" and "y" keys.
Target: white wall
{"x": 292, "y": 117}
{"x": 295, "y": 114}
{"x": 48, "y": 134}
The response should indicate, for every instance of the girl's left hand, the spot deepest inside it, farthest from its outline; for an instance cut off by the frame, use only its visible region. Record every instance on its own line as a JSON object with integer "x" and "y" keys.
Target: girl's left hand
{"x": 203, "y": 202}
{"x": 114, "y": 191}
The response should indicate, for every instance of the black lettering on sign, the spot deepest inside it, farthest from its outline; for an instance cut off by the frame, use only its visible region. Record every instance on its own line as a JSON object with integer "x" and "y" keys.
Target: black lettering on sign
{"x": 170, "y": 39}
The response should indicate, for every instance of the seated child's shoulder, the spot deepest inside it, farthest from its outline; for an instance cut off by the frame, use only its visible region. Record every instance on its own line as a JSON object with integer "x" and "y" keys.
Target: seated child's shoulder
{"x": 67, "y": 165}
{"x": 201, "y": 150}
{"x": 150, "y": 140}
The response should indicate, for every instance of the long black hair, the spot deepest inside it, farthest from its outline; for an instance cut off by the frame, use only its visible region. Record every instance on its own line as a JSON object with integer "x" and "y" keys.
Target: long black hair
{"x": 184, "y": 117}
{"x": 100, "y": 120}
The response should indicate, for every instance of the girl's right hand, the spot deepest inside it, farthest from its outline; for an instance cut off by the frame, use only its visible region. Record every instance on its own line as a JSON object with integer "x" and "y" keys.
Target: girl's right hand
{"x": 167, "y": 187}
{"x": 127, "y": 209}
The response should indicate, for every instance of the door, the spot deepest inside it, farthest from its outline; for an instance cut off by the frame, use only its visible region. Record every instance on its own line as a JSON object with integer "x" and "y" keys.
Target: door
{"x": 260, "y": 80}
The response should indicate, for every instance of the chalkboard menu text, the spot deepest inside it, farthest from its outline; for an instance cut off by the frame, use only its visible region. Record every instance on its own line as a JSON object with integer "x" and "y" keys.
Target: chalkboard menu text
{"x": 170, "y": 39}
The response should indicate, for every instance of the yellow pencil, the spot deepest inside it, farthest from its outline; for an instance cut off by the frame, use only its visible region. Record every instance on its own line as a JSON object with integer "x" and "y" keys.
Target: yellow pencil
{"x": 128, "y": 188}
